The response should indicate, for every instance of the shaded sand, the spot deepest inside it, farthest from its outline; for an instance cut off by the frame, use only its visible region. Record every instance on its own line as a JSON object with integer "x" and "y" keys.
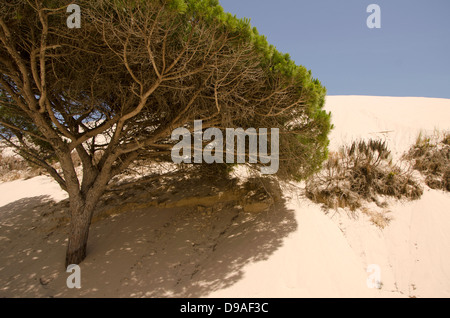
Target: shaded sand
{"x": 187, "y": 251}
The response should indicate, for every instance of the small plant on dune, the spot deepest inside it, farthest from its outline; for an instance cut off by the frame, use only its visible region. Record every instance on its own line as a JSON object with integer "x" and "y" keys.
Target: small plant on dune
{"x": 13, "y": 168}
{"x": 431, "y": 156}
{"x": 361, "y": 172}
{"x": 379, "y": 219}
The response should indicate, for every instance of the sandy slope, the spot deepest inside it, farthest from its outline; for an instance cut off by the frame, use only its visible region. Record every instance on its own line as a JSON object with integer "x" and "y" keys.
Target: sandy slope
{"x": 294, "y": 250}
{"x": 398, "y": 120}
{"x": 328, "y": 255}
{"x": 413, "y": 251}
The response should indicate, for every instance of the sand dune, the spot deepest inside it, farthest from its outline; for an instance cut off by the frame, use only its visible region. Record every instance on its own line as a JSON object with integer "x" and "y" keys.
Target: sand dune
{"x": 293, "y": 250}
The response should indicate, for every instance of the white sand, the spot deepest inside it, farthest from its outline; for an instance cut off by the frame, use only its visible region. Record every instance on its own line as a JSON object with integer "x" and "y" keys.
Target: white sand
{"x": 297, "y": 251}
{"x": 329, "y": 259}
{"x": 38, "y": 186}
{"x": 398, "y": 120}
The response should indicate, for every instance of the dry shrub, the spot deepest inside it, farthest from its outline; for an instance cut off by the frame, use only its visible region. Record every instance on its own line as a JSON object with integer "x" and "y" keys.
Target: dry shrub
{"x": 361, "y": 172}
{"x": 14, "y": 168}
{"x": 221, "y": 170}
{"x": 379, "y": 219}
{"x": 431, "y": 156}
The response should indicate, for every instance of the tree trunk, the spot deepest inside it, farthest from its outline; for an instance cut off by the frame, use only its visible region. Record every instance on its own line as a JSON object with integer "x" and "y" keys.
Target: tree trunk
{"x": 80, "y": 220}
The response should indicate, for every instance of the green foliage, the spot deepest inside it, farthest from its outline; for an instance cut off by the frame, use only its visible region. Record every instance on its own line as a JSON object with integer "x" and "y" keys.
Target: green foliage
{"x": 278, "y": 62}
{"x": 113, "y": 90}
{"x": 26, "y": 132}
{"x": 307, "y": 140}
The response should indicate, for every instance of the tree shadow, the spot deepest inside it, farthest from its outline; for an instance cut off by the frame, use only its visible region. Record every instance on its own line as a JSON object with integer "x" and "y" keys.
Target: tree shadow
{"x": 185, "y": 251}
{"x": 31, "y": 240}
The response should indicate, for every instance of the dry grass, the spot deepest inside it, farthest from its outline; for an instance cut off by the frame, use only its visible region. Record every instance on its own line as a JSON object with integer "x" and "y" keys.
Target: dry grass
{"x": 361, "y": 172}
{"x": 431, "y": 156}
{"x": 379, "y": 219}
{"x": 14, "y": 168}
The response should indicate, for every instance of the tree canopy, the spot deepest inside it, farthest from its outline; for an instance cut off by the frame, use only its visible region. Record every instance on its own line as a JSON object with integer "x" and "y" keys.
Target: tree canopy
{"x": 114, "y": 89}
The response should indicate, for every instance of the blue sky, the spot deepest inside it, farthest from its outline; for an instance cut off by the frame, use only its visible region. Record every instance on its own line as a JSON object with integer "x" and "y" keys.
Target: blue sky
{"x": 408, "y": 56}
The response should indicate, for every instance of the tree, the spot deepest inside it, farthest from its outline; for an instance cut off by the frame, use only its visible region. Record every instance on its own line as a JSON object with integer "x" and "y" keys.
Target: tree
{"x": 113, "y": 90}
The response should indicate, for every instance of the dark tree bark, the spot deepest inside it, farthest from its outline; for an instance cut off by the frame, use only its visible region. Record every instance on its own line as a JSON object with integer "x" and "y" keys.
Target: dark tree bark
{"x": 80, "y": 221}
{"x": 82, "y": 207}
